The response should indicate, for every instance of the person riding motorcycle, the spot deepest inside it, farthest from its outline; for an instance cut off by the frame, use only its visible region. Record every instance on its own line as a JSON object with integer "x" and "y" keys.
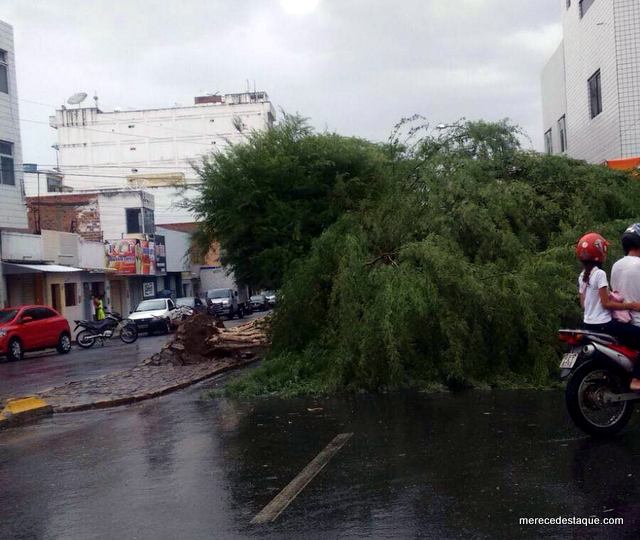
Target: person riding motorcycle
{"x": 625, "y": 279}
{"x": 593, "y": 287}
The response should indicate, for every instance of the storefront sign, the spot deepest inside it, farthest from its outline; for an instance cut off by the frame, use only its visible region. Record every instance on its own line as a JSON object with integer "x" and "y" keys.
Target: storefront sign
{"x": 148, "y": 289}
{"x": 131, "y": 256}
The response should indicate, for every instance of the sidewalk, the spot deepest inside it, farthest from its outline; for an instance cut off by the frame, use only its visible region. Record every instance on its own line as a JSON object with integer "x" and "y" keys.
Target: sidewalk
{"x": 136, "y": 384}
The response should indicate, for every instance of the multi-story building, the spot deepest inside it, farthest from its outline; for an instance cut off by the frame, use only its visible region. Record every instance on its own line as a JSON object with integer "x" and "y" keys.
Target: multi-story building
{"x": 591, "y": 85}
{"x": 153, "y": 149}
{"x": 13, "y": 213}
{"x": 133, "y": 255}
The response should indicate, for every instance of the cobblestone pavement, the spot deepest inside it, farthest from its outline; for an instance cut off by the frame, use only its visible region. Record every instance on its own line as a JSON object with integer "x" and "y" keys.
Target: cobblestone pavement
{"x": 136, "y": 384}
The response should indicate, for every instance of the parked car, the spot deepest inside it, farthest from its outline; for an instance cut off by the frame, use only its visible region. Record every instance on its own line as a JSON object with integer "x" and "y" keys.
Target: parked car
{"x": 225, "y": 303}
{"x": 195, "y": 303}
{"x": 259, "y": 302}
{"x": 32, "y": 328}
{"x": 271, "y": 297}
{"x": 157, "y": 315}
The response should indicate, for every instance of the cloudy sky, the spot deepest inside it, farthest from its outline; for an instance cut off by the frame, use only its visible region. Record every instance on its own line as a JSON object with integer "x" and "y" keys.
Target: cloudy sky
{"x": 353, "y": 66}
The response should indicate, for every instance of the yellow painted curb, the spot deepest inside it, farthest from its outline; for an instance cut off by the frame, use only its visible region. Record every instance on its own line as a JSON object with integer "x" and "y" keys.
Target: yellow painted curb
{"x": 22, "y": 409}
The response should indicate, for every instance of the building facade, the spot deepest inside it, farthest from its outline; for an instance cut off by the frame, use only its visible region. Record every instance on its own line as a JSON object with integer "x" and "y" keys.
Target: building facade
{"x": 54, "y": 268}
{"x": 141, "y": 260}
{"x": 591, "y": 85}
{"x": 13, "y": 213}
{"x": 154, "y": 149}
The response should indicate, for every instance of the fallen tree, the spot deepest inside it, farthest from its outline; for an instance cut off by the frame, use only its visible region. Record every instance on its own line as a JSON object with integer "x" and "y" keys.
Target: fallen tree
{"x": 458, "y": 271}
{"x": 203, "y": 339}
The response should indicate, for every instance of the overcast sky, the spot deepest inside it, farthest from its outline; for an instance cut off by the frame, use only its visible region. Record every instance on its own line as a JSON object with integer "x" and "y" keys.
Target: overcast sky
{"x": 353, "y": 66}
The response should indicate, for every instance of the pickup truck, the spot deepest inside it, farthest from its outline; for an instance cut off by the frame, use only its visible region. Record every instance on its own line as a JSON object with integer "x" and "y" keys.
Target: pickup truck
{"x": 157, "y": 315}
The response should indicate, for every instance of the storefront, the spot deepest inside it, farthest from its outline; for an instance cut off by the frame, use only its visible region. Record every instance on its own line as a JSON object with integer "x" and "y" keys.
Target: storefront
{"x": 54, "y": 285}
{"x": 137, "y": 265}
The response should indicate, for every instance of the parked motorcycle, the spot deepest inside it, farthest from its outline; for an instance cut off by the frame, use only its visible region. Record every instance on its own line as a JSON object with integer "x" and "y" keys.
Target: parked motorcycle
{"x": 600, "y": 369}
{"x": 111, "y": 325}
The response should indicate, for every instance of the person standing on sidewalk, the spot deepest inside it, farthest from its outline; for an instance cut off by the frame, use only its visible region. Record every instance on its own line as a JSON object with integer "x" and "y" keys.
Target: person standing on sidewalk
{"x": 100, "y": 314}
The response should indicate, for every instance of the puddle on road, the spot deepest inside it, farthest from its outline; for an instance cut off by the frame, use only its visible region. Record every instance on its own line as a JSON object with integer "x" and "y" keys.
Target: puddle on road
{"x": 417, "y": 465}
{"x": 440, "y": 465}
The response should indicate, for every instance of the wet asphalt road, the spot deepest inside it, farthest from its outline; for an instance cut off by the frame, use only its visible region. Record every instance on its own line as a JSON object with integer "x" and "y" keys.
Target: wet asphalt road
{"x": 41, "y": 370}
{"x": 418, "y": 466}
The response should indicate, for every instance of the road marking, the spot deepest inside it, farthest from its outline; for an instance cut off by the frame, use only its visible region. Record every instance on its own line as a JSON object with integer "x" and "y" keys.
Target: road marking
{"x": 293, "y": 488}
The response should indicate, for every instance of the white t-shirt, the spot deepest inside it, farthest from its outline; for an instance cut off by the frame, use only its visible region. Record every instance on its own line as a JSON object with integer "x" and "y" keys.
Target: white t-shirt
{"x": 594, "y": 311}
{"x": 625, "y": 278}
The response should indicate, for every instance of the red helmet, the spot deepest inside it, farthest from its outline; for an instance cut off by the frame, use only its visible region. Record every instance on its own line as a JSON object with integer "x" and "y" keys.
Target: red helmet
{"x": 592, "y": 247}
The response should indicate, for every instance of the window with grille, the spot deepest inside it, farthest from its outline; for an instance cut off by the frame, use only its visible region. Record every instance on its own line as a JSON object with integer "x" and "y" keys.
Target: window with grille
{"x": 7, "y": 173}
{"x": 562, "y": 131}
{"x": 595, "y": 94}
{"x": 4, "y": 75}
{"x": 584, "y": 6}
{"x": 548, "y": 142}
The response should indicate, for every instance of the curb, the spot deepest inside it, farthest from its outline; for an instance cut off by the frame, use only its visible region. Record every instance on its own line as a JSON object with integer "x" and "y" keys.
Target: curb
{"x": 118, "y": 402}
{"x": 21, "y": 410}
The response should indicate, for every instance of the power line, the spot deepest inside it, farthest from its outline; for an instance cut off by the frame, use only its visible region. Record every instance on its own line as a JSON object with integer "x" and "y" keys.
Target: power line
{"x": 148, "y": 137}
{"x": 119, "y": 133}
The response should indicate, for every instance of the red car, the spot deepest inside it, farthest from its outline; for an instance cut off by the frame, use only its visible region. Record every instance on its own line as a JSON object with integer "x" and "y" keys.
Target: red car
{"x": 32, "y": 328}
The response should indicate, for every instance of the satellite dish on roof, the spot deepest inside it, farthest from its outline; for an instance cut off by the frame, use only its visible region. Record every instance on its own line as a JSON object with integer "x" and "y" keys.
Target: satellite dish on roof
{"x": 77, "y": 98}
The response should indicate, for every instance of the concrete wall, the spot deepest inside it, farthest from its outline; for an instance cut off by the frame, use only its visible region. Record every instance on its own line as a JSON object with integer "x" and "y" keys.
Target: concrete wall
{"x": 61, "y": 247}
{"x": 178, "y": 245}
{"x": 112, "y": 210}
{"x": 91, "y": 255}
{"x": 135, "y": 148}
{"x": 590, "y": 44}
{"x": 627, "y": 26}
{"x": 21, "y": 247}
{"x": 554, "y": 96}
{"x": 12, "y": 207}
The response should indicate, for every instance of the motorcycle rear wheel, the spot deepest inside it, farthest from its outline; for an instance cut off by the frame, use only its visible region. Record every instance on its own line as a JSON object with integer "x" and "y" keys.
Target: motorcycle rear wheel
{"x": 583, "y": 397}
{"x": 85, "y": 339}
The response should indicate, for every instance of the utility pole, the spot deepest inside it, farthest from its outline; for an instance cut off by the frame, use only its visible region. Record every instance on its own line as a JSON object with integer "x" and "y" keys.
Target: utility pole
{"x": 38, "y": 229}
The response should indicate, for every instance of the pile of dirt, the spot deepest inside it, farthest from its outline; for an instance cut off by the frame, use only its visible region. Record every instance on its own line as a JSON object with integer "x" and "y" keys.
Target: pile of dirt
{"x": 202, "y": 338}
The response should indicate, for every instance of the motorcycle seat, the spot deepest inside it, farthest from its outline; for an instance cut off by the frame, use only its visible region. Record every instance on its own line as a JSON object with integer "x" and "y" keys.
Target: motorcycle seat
{"x": 98, "y": 325}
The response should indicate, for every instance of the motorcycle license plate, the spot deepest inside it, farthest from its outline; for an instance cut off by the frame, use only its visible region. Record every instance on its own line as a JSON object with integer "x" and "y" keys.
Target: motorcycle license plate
{"x": 568, "y": 360}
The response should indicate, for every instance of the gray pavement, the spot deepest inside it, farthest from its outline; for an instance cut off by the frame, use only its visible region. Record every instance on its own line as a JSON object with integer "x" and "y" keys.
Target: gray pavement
{"x": 418, "y": 466}
{"x": 41, "y": 370}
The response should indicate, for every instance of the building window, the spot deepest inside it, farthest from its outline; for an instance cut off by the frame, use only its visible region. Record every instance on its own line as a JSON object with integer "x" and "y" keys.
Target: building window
{"x": 7, "y": 174}
{"x": 135, "y": 223}
{"x": 568, "y": 4}
{"x": 548, "y": 143}
{"x": 595, "y": 94}
{"x": 562, "y": 131}
{"x": 70, "y": 296}
{"x": 4, "y": 76}
{"x": 584, "y": 6}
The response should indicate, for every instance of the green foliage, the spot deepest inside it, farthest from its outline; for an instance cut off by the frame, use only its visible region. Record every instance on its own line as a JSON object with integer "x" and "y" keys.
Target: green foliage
{"x": 459, "y": 271}
{"x": 266, "y": 199}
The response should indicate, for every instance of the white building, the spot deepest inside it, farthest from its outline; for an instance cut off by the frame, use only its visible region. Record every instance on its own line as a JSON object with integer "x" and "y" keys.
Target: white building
{"x": 154, "y": 149}
{"x": 591, "y": 85}
{"x": 13, "y": 213}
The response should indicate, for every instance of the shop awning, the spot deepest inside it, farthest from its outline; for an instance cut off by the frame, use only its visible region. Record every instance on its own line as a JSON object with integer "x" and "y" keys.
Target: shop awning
{"x": 15, "y": 268}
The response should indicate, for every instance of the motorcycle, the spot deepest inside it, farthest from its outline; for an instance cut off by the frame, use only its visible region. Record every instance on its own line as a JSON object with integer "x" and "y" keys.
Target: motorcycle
{"x": 112, "y": 324}
{"x": 599, "y": 369}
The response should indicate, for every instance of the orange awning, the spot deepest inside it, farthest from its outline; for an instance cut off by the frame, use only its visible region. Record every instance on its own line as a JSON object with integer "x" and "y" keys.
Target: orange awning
{"x": 626, "y": 164}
